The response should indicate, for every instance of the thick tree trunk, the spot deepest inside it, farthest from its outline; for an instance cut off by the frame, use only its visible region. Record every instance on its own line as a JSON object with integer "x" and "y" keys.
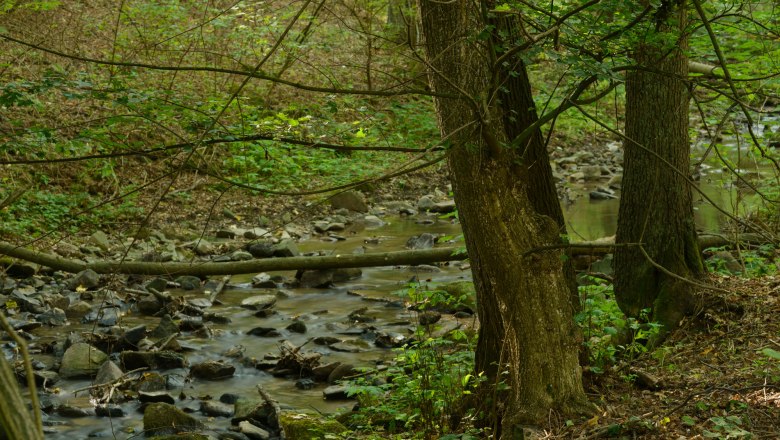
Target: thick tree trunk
{"x": 527, "y": 335}
{"x": 656, "y": 207}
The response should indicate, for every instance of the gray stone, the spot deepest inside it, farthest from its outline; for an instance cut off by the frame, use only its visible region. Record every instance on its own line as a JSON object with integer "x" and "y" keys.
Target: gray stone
{"x": 428, "y": 317}
{"x": 241, "y": 256}
{"x": 373, "y": 221}
{"x": 444, "y": 207}
{"x": 252, "y": 431}
{"x": 72, "y": 412}
{"x": 297, "y": 327}
{"x": 351, "y": 200}
{"x": 107, "y": 373}
{"x": 422, "y": 241}
{"x": 54, "y": 317}
{"x": 336, "y": 392}
{"x": 88, "y": 279}
{"x": 166, "y": 419}
{"x": 255, "y": 233}
{"x": 158, "y": 284}
{"x": 600, "y": 195}
{"x": 214, "y": 408}
{"x": 203, "y": 247}
{"x": 149, "y": 305}
{"x": 81, "y": 360}
{"x": 263, "y": 280}
{"x": 212, "y": 370}
{"x": 132, "y": 360}
{"x": 286, "y": 248}
{"x": 326, "y": 277}
{"x": 261, "y": 250}
{"x": 188, "y": 282}
{"x": 425, "y": 203}
{"x": 259, "y": 302}
{"x": 165, "y": 328}
{"x": 591, "y": 172}
{"x": 100, "y": 239}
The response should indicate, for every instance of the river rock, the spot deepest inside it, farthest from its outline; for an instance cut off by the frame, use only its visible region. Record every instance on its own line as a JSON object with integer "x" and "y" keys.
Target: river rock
{"x": 111, "y": 411}
{"x": 203, "y": 247}
{"x": 72, "y": 412}
{"x": 150, "y": 381}
{"x": 444, "y": 207}
{"x": 266, "y": 332}
{"x": 351, "y": 200}
{"x": 188, "y": 282}
{"x": 286, "y": 248}
{"x": 615, "y": 181}
{"x": 154, "y": 360}
{"x": 428, "y": 317}
{"x": 87, "y": 279}
{"x": 240, "y": 255}
{"x": 166, "y": 419}
{"x": 212, "y": 370}
{"x": 422, "y": 241}
{"x": 54, "y": 317}
{"x": 326, "y": 277}
{"x": 297, "y": 327}
{"x": 309, "y": 427}
{"x": 78, "y": 310}
{"x": 336, "y": 392}
{"x": 156, "y": 397}
{"x": 261, "y": 250}
{"x": 165, "y": 328}
{"x": 425, "y": 202}
{"x": 81, "y": 360}
{"x": 215, "y": 408}
{"x": 350, "y": 346}
{"x": 253, "y": 431}
{"x": 259, "y": 302}
{"x": 107, "y": 373}
{"x": 390, "y": 340}
{"x": 256, "y": 233}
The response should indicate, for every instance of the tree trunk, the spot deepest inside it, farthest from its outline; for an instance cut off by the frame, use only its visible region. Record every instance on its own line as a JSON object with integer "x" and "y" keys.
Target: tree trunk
{"x": 527, "y": 335}
{"x": 655, "y": 207}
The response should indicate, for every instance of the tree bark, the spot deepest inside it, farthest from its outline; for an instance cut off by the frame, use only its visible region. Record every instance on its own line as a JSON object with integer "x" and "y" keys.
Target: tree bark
{"x": 527, "y": 335}
{"x": 656, "y": 206}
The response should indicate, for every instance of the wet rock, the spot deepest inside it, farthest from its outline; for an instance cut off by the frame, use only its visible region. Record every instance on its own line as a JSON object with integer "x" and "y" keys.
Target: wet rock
{"x": 107, "y": 373}
{"x": 326, "y": 277}
{"x": 241, "y": 256}
{"x": 351, "y": 200}
{"x": 188, "y": 282}
{"x": 252, "y": 431}
{"x": 422, "y": 241}
{"x": 165, "y": 328}
{"x": 213, "y": 408}
{"x": 256, "y": 233}
{"x": 86, "y": 279}
{"x": 152, "y": 360}
{"x": 428, "y": 317}
{"x": 267, "y": 332}
{"x": 104, "y": 317}
{"x": 325, "y": 340}
{"x": 149, "y": 305}
{"x": 322, "y": 372}
{"x": 201, "y": 303}
{"x": 286, "y": 248}
{"x": 54, "y": 317}
{"x": 155, "y": 397}
{"x": 336, "y": 392}
{"x": 615, "y": 182}
{"x": 78, "y": 310}
{"x": 340, "y": 372}
{"x": 212, "y": 370}
{"x": 361, "y": 315}
{"x": 263, "y": 280}
{"x": 390, "y": 340}
{"x": 157, "y": 284}
{"x": 112, "y": 411}
{"x": 41, "y": 377}
{"x": 81, "y": 360}
{"x": 600, "y": 194}
{"x": 72, "y": 412}
{"x": 259, "y": 302}
{"x": 372, "y": 221}
{"x": 350, "y": 346}
{"x": 444, "y": 207}
{"x": 261, "y": 250}
{"x": 164, "y": 419}
{"x": 304, "y": 384}
{"x": 229, "y": 398}
{"x": 424, "y": 268}
{"x": 150, "y": 382}
{"x": 297, "y": 327}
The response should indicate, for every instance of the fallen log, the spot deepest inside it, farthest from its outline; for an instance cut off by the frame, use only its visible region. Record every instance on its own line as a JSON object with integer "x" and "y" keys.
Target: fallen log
{"x": 397, "y": 258}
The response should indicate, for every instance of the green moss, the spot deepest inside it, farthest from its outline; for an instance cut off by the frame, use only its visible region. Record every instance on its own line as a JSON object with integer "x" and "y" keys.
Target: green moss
{"x": 309, "y": 427}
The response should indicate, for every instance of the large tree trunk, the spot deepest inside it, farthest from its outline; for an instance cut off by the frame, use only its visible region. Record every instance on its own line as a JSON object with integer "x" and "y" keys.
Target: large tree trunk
{"x": 655, "y": 207}
{"x": 527, "y": 335}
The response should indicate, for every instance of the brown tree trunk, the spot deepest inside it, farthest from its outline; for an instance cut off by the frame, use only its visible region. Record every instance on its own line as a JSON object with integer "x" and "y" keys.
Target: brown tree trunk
{"x": 655, "y": 207}
{"x": 527, "y": 335}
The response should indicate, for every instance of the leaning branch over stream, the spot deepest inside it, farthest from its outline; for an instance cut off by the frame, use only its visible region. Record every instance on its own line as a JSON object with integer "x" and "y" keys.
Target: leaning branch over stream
{"x": 398, "y": 258}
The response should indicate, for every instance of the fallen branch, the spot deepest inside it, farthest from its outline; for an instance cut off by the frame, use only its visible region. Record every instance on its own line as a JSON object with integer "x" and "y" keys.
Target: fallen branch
{"x": 397, "y": 258}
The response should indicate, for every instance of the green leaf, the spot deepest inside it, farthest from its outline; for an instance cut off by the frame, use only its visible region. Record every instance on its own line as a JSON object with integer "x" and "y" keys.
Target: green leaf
{"x": 688, "y": 420}
{"x": 774, "y": 354}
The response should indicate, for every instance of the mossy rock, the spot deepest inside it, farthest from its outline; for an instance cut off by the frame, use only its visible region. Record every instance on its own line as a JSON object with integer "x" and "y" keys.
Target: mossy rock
{"x": 309, "y": 427}
{"x": 165, "y": 419}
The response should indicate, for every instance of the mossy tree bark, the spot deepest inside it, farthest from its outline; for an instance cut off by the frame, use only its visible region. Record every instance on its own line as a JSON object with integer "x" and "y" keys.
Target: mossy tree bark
{"x": 527, "y": 336}
{"x": 656, "y": 206}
